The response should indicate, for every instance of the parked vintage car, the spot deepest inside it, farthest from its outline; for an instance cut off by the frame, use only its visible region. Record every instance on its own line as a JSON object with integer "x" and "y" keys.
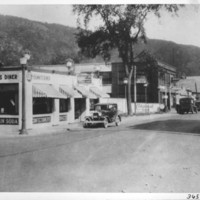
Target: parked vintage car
{"x": 103, "y": 114}
{"x": 187, "y": 105}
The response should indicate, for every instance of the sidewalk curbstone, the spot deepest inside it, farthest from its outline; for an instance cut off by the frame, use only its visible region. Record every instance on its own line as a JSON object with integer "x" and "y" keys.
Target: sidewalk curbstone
{"x": 78, "y": 126}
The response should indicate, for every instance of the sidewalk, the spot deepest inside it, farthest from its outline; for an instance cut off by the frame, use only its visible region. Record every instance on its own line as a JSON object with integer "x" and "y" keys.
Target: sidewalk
{"x": 78, "y": 126}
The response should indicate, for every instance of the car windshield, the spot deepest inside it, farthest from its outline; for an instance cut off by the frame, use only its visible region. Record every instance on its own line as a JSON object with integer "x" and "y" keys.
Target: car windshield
{"x": 101, "y": 107}
{"x": 187, "y": 100}
{"x": 105, "y": 107}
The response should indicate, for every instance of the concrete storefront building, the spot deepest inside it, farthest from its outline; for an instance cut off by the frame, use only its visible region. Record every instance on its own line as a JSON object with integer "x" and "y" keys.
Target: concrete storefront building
{"x": 51, "y": 97}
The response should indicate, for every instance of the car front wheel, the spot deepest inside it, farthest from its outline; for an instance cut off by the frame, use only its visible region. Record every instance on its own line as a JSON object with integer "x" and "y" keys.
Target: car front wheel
{"x": 117, "y": 121}
{"x": 105, "y": 123}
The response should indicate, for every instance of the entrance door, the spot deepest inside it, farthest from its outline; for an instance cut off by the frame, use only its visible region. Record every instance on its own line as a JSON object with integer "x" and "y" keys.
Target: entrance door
{"x": 80, "y": 108}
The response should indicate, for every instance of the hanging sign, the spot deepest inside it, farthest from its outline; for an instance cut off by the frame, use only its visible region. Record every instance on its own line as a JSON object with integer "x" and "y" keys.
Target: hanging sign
{"x": 141, "y": 79}
{"x": 84, "y": 78}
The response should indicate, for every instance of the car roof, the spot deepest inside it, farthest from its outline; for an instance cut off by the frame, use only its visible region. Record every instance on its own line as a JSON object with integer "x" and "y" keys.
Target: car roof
{"x": 99, "y": 104}
{"x": 187, "y": 98}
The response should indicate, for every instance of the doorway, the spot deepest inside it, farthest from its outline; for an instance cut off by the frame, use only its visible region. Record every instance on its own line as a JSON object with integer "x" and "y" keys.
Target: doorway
{"x": 80, "y": 108}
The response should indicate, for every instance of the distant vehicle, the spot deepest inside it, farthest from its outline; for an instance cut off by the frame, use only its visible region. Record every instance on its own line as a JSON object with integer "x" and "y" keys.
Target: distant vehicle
{"x": 187, "y": 105}
{"x": 198, "y": 105}
{"x": 103, "y": 114}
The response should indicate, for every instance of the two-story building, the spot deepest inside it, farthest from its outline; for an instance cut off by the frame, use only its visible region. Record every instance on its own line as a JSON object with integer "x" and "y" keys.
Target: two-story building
{"x": 153, "y": 83}
{"x": 100, "y": 70}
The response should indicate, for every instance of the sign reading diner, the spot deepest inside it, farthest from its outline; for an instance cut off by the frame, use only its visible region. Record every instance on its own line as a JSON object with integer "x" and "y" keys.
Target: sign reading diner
{"x": 8, "y": 76}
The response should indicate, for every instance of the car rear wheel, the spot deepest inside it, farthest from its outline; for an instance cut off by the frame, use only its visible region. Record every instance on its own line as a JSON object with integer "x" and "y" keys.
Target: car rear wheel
{"x": 117, "y": 121}
{"x": 105, "y": 123}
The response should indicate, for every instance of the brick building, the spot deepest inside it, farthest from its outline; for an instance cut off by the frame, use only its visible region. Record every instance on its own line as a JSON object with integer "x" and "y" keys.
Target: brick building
{"x": 157, "y": 82}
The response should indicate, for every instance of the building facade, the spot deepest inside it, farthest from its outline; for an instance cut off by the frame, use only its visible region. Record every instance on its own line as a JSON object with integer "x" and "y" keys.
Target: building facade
{"x": 100, "y": 70}
{"x": 51, "y": 98}
{"x": 153, "y": 84}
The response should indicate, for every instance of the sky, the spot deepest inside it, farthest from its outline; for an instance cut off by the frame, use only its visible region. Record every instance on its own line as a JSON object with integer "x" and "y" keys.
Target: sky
{"x": 181, "y": 29}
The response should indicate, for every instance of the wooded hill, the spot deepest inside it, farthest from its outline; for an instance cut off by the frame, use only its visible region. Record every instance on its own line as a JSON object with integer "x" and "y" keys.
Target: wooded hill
{"x": 54, "y": 43}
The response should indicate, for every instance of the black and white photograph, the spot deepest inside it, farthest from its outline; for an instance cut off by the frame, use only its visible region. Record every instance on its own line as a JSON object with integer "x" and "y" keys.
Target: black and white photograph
{"x": 100, "y": 98}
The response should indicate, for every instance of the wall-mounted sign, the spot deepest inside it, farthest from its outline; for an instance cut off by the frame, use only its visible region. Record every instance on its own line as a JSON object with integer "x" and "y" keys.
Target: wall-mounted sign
{"x": 84, "y": 78}
{"x": 41, "y": 77}
{"x": 9, "y": 121}
{"x": 162, "y": 87}
{"x": 63, "y": 117}
{"x": 141, "y": 79}
{"x": 8, "y": 76}
{"x": 40, "y": 120}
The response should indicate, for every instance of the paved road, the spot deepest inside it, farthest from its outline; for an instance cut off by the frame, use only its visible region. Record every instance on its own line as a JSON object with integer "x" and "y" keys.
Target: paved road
{"x": 160, "y": 155}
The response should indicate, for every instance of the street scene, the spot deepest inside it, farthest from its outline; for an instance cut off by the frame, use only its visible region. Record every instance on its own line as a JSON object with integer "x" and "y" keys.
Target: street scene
{"x": 100, "y": 98}
{"x": 158, "y": 153}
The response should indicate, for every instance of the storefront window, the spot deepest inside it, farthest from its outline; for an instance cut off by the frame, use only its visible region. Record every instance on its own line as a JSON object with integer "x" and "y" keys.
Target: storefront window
{"x": 64, "y": 105}
{"x": 42, "y": 105}
{"x": 9, "y": 95}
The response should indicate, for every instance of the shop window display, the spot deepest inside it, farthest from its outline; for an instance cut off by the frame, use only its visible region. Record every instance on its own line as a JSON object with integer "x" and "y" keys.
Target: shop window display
{"x": 9, "y": 98}
{"x": 64, "y": 105}
{"x": 42, "y": 105}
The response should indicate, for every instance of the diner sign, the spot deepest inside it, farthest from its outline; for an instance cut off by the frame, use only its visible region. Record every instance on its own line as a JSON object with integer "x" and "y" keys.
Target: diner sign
{"x": 9, "y": 76}
{"x": 84, "y": 78}
{"x": 9, "y": 121}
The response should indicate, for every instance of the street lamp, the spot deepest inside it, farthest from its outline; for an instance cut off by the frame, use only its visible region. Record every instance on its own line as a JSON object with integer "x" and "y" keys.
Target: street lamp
{"x": 69, "y": 64}
{"x": 23, "y": 63}
{"x": 125, "y": 81}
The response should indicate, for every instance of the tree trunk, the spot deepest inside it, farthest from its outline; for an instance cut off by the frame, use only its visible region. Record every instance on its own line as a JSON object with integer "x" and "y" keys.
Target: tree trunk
{"x": 129, "y": 99}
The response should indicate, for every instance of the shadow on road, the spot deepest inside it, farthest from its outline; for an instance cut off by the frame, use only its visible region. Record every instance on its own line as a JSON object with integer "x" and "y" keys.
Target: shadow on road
{"x": 181, "y": 126}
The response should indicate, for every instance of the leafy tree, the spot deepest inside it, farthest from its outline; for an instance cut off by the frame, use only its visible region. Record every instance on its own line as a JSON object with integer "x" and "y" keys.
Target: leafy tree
{"x": 122, "y": 27}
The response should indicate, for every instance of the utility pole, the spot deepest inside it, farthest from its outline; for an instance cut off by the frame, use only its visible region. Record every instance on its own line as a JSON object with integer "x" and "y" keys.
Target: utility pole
{"x": 135, "y": 88}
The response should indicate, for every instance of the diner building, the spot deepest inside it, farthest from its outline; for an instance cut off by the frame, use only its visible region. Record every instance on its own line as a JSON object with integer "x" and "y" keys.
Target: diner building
{"x": 51, "y": 98}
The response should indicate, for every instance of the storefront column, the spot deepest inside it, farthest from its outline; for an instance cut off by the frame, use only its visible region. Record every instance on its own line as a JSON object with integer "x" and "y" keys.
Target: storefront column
{"x": 55, "y": 119}
{"x": 29, "y": 105}
{"x": 87, "y": 109}
{"x": 71, "y": 113}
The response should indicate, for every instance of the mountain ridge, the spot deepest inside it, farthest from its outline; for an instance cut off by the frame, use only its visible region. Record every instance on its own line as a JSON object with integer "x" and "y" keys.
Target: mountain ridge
{"x": 52, "y": 43}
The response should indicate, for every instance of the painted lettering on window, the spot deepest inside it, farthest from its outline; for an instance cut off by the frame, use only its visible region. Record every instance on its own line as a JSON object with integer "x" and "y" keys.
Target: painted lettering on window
{"x": 9, "y": 121}
{"x": 38, "y": 120}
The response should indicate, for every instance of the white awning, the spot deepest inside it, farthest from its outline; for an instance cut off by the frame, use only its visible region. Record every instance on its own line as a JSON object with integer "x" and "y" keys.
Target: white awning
{"x": 69, "y": 92}
{"x": 99, "y": 93}
{"x": 46, "y": 91}
{"x": 85, "y": 92}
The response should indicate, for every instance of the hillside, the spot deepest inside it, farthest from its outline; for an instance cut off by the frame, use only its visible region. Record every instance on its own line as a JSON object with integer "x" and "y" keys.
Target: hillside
{"x": 48, "y": 43}
{"x": 53, "y": 43}
{"x": 186, "y": 58}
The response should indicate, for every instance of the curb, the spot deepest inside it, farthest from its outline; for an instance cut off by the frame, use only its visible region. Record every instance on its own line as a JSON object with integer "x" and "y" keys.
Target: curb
{"x": 77, "y": 126}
